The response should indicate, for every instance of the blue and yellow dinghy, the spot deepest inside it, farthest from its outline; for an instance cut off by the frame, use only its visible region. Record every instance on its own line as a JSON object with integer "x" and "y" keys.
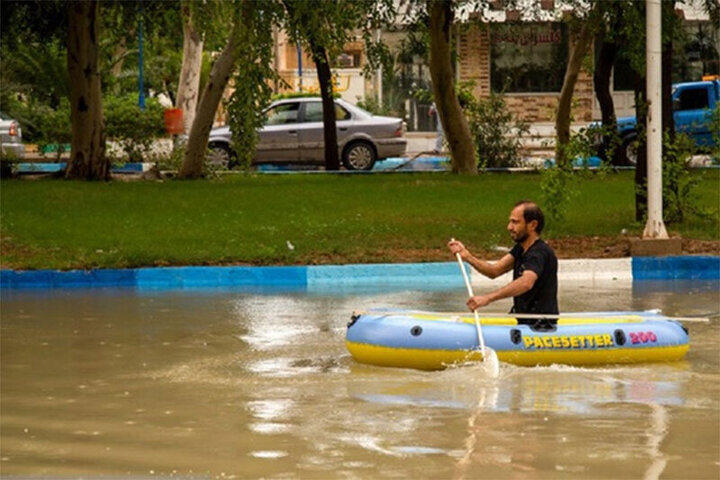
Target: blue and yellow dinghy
{"x": 432, "y": 341}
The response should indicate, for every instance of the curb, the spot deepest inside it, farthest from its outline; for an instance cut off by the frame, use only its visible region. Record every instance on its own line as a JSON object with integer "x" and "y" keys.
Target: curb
{"x": 440, "y": 274}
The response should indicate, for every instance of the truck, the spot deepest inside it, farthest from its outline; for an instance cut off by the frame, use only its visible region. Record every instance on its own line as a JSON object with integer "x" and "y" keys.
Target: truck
{"x": 694, "y": 104}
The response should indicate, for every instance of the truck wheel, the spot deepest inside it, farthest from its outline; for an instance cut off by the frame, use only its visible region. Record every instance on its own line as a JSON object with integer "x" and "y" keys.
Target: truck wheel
{"x": 628, "y": 150}
{"x": 359, "y": 155}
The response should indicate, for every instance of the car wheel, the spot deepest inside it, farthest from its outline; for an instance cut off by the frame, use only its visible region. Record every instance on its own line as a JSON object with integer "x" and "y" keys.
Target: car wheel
{"x": 628, "y": 150}
{"x": 359, "y": 156}
{"x": 219, "y": 156}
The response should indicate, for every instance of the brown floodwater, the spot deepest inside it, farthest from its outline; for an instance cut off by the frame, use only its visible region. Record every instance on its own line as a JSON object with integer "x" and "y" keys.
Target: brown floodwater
{"x": 258, "y": 384}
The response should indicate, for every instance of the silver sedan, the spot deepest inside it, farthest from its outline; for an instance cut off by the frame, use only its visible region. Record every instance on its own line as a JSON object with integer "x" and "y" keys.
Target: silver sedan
{"x": 10, "y": 138}
{"x": 293, "y": 134}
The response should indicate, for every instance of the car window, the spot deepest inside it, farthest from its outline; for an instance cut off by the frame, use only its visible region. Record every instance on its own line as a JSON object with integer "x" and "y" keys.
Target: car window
{"x": 341, "y": 113}
{"x": 314, "y": 113}
{"x": 693, "y": 99}
{"x": 281, "y": 114}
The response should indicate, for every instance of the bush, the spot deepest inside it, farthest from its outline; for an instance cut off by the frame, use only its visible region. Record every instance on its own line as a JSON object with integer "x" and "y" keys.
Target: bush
{"x": 134, "y": 129}
{"x": 680, "y": 197}
{"x": 496, "y": 131}
{"x": 715, "y": 129}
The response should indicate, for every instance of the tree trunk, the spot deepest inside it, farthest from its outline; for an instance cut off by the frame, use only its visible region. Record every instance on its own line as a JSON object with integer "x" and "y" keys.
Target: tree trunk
{"x": 189, "y": 84}
{"x": 87, "y": 154}
{"x": 223, "y": 67}
{"x": 641, "y": 166}
{"x": 562, "y": 121}
{"x": 610, "y": 149}
{"x": 457, "y": 131}
{"x": 118, "y": 57}
{"x": 319, "y": 54}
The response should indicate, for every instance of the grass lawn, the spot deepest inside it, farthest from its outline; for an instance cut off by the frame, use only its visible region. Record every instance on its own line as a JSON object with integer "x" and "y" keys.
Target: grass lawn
{"x": 252, "y": 219}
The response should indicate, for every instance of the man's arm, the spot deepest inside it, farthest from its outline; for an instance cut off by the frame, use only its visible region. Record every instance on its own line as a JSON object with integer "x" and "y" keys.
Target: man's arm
{"x": 490, "y": 270}
{"x": 517, "y": 287}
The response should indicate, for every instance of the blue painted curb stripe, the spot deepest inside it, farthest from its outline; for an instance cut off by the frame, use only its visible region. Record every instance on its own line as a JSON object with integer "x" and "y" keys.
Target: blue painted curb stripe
{"x": 53, "y": 167}
{"x": 182, "y": 277}
{"x": 409, "y": 274}
{"x": 446, "y": 273}
{"x": 685, "y": 267}
{"x": 160, "y": 277}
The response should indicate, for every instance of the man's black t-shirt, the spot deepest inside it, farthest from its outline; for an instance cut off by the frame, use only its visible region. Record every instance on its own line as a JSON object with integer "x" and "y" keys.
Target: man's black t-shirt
{"x": 542, "y": 297}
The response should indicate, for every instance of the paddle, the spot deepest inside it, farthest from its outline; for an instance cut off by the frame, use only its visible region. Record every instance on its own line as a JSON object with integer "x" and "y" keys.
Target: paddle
{"x": 490, "y": 358}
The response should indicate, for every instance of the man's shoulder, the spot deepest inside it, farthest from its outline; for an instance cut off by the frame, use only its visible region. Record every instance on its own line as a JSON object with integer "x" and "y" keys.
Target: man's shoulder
{"x": 541, "y": 247}
{"x": 516, "y": 251}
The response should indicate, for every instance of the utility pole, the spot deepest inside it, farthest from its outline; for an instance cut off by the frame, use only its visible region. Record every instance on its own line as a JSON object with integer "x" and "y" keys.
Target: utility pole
{"x": 655, "y": 227}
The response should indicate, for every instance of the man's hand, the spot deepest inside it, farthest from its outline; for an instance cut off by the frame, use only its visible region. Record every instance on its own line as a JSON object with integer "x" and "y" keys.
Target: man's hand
{"x": 478, "y": 301}
{"x": 457, "y": 247}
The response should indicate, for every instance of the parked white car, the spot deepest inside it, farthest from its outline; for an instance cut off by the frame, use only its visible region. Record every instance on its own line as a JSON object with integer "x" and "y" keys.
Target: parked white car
{"x": 293, "y": 134}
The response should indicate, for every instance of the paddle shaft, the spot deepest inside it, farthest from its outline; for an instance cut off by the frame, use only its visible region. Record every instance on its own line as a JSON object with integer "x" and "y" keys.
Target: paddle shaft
{"x": 470, "y": 293}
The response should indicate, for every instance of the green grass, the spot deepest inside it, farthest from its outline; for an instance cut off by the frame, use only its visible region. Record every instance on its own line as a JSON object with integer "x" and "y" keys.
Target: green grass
{"x": 248, "y": 219}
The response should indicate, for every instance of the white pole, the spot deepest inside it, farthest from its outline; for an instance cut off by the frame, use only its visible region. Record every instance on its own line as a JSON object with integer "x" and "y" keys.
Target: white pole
{"x": 379, "y": 74}
{"x": 655, "y": 227}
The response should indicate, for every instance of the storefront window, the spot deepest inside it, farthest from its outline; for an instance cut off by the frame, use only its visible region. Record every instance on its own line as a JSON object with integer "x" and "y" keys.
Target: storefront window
{"x": 528, "y": 57}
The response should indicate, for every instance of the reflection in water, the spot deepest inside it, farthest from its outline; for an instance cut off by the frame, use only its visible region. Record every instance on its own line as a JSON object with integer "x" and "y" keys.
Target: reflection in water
{"x": 258, "y": 384}
{"x": 559, "y": 389}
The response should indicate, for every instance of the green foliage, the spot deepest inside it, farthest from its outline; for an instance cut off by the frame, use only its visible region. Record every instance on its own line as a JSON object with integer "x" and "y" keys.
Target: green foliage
{"x": 134, "y": 129}
{"x": 372, "y": 105}
{"x": 715, "y": 131}
{"x": 286, "y": 95}
{"x": 252, "y": 86}
{"x": 34, "y": 70}
{"x": 558, "y": 187}
{"x": 497, "y": 133}
{"x": 680, "y": 197}
{"x": 42, "y": 124}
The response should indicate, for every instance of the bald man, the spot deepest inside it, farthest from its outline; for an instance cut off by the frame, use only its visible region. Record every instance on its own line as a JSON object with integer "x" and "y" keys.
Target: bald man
{"x": 533, "y": 262}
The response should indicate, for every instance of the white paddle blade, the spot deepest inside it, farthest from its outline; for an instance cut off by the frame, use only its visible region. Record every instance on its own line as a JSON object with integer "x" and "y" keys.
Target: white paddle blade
{"x": 491, "y": 362}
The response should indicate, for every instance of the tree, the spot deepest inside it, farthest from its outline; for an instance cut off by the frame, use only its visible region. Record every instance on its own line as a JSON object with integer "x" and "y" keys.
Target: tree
{"x": 312, "y": 23}
{"x": 87, "y": 155}
{"x": 222, "y": 69}
{"x": 441, "y": 16}
{"x": 608, "y": 53}
{"x": 189, "y": 84}
{"x": 325, "y": 27}
{"x": 579, "y": 48}
{"x": 245, "y": 55}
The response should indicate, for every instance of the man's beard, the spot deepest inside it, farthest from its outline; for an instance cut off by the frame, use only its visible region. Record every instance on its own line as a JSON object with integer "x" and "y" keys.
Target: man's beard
{"x": 521, "y": 237}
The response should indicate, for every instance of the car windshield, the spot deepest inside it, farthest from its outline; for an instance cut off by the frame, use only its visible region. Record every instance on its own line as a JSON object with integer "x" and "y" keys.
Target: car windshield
{"x": 281, "y": 114}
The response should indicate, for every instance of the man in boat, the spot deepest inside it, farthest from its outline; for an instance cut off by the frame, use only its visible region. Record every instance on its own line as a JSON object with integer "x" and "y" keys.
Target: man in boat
{"x": 533, "y": 262}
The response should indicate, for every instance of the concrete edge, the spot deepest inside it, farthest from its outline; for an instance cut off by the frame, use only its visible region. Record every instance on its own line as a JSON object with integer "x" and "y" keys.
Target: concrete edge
{"x": 625, "y": 270}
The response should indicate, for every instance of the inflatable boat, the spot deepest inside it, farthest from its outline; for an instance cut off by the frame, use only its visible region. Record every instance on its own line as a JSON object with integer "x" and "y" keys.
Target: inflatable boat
{"x": 433, "y": 341}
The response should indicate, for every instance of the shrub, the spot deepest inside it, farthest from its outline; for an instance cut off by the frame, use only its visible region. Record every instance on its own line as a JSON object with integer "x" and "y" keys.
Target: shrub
{"x": 496, "y": 131}
{"x": 134, "y": 129}
{"x": 680, "y": 197}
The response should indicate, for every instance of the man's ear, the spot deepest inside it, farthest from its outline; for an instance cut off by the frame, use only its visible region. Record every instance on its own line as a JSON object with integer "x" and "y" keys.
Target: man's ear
{"x": 533, "y": 225}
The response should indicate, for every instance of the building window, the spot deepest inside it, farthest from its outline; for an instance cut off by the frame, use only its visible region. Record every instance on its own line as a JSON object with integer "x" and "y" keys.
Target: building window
{"x": 528, "y": 57}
